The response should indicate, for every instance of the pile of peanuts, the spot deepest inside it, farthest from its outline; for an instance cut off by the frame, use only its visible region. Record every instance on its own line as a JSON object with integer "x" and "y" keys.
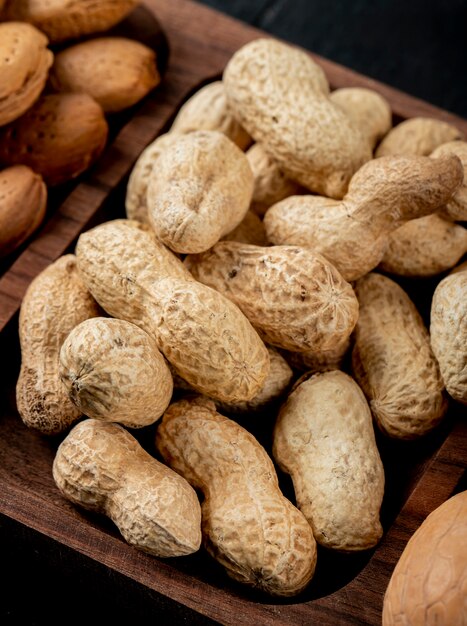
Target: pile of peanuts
{"x": 253, "y": 262}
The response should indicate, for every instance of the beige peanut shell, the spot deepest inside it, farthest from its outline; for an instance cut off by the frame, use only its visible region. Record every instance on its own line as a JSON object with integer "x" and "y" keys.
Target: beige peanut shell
{"x": 456, "y": 208}
{"x": 24, "y": 65}
{"x": 207, "y": 109}
{"x": 55, "y": 302}
{"x": 200, "y": 190}
{"x": 101, "y": 467}
{"x": 281, "y": 97}
{"x": 250, "y": 230}
{"x": 23, "y": 202}
{"x": 324, "y": 439}
{"x": 258, "y": 536}
{"x": 59, "y": 137}
{"x": 317, "y": 361}
{"x": 393, "y": 362}
{"x": 417, "y": 135}
{"x": 448, "y": 331}
{"x": 429, "y": 583}
{"x": 114, "y": 371}
{"x": 202, "y": 334}
{"x": 295, "y": 298}
{"x": 116, "y": 71}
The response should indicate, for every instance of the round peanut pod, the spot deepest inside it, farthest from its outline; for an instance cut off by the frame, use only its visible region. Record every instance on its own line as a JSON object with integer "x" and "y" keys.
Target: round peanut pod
{"x": 456, "y": 208}
{"x": 448, "y": 331}
{"x": 207, "y": 109}
{"x": 55, "y": 302}
{"x": 114, "y": 371}
{"x": 102, "y": 468}
{"x": 294, "y": 298}
{"x": 24, "y": 65}
{"x": 207, "y": 339}
{"x": 281, "y": 97}
{"x": 393, "y": 362}
{"x": 428, "y": 585}
{"x": 254, "y": 532}
{"x": 23, "y": 203}
{"x": 199, "y": 192}
{"x": 324, "y": 439}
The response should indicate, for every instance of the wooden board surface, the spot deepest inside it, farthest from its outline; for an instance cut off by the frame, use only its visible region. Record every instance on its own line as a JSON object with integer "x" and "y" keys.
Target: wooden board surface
{"x": 346, "y": 591}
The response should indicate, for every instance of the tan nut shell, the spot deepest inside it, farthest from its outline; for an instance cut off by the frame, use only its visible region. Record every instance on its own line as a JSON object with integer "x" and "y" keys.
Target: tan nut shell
{"x": 417, "y": 135}
{"x": 69, "y": 19}
{"x": 55, "y": 302}
{"x": 428, "y": 586}
{"x": 280, "y": 96}
{"x": 393, "y": 362}
{"x": 23, "y": 202}
{"x": 202, "y": 334}
{"x": 324, "y": 439}
{"x": 103, "y": 468}
{"x": 200, "y": 190}
{"x": 250, "y": 230}
{"x": 456, "y": 208}
{"x": 384, "y": 193}
{"x": 60, "y": 137}
{"x": 24, "y": 65}
{"x": 259, "y": 537}
{"x": 448, "y": 330}
{"x": 207, "y": 109}
{"x": 316, "y": 361}
{"x": 367, "y": 109}
{"x": 296, "y": 299}
{"x": 114, "y": 371}
{"x": 424, "y": 247}
{"x": 117, "y": 72}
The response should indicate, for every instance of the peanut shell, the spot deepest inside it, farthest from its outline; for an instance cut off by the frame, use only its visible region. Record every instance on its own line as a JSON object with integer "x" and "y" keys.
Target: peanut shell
{"x": 417, "y": 135}
{"x": 456, "y": 208}
{"x": 250, "y": 230}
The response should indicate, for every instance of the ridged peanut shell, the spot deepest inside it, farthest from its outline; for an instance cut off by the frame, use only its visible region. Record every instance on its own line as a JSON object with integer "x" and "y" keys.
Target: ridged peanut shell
{"x": 55, "y": 302}
{"x": 316, "y": 361}
{"x": 448, "y": 331}
{"x": 116, "y": 71}
{"x": 295, "y": 298}
{"x": 200, "y": 190}
{"x": 114, "y": 371}
{"x": 417, "y": 135}
{"x": 280, "y": 96}
{"x": 324, "y": 439}
{"x": 60, "y": 137}
{"x": 393, "y": 362}
{"x": 101, "y": 467}
{"x": 248, "y": 526}
{"x": 428, "y": 586}
{"x": 23, "y": 202}
{"x": 456, "y": 208}
{"x": 24, "y": 66}
{"x": 69, "y": 19}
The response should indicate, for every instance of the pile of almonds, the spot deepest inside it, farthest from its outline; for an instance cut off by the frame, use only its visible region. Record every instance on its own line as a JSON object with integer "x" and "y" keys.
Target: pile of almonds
{"x": 55, "y": 100}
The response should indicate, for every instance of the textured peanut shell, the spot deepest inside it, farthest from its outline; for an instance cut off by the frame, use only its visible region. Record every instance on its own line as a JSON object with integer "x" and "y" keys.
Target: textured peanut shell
{"x": 207, "y": 109}
{"x": 116, "y": 71}
{"x": 101, "y": 467}
{"x": 428, "y": 586}
{"x": 424, "y": 247}
{"x": 137, "y": 187}
{"x": 23, "y": 202}
{"x": 69, "y": 19}
{"x": 60, "y": 137}
{"x": 367, "y": 109}
{"x": 202, "y": 334}
{"x": 280, "y": 96}
{"x": 392, "y": 360}
{"x": 448, "y": 331}
{"x": 294, "y": 298}
{"x": 250, "y": 230}
{"x": 417, "y": 135}
{"x": 55, "y": 302}
{"x": 24, "y": 65}
{"x": 200, "y": 190}
{"x": 315, "y": 361}
{"x": 258, "y": 536}
{"x": 324, "y": 439}
{"x": 271, "y": 184}
{"x": 382, "y": 195}
{"x": 114, "y": 371}
{"x": 456, "y": 208}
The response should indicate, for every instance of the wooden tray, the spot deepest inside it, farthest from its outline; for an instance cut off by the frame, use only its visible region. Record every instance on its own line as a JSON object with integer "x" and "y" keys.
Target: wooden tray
{"x": 420, "y": 475}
